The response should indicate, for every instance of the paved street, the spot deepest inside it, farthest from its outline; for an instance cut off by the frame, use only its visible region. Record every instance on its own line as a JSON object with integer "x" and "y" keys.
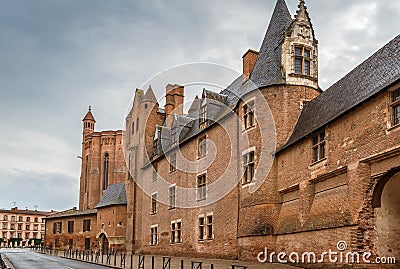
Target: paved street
{"x": 26, "y": 259}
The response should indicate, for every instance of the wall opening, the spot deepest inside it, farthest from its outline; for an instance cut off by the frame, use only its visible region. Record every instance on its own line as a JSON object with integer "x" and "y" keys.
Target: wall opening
{"x": 388, "y": 219}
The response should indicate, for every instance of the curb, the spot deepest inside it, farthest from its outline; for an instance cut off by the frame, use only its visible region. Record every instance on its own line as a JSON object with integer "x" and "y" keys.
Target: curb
{"x": 7, "y": 262}
{"x": 89, "y": 262}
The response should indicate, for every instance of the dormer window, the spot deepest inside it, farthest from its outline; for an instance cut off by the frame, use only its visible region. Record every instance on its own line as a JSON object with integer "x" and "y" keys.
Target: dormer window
{"x": 156, "y": 141}
{"x": 174, "y": 135}
{"x": 248, "y": 115}
{"x": 302, "y": 61}
{"x": 203, "y": 113}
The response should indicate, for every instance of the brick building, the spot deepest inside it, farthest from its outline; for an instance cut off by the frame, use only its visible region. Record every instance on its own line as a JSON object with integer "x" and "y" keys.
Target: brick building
{"x": 100, "y": 221}
{"x": 333, "y": 173}
{"x": 22, "y": 227}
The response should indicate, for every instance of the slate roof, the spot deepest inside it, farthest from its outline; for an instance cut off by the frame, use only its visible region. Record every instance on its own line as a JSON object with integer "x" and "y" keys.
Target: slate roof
{"x": 267, "y": 70}
{"x": 114, "y": 195}
{"x": 72, "y": 212}
{"x": 369, "y": 78}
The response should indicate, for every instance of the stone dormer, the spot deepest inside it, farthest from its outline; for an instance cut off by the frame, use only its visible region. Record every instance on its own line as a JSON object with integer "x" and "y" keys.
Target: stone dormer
{"x": 300, "y": 51}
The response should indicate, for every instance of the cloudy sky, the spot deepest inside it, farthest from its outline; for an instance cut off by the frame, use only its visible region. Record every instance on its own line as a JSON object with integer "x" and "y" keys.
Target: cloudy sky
{"x": 59, "y": 56}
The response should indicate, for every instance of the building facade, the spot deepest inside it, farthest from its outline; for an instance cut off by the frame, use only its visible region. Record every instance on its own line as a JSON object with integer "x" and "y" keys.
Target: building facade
{"x": 100, "y": 221}
{"x": 333, "y": 174}
{"x": 21, "y": 227}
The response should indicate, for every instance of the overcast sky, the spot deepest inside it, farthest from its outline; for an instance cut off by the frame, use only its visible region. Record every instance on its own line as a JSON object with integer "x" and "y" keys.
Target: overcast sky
{"x": 59, "y": 56}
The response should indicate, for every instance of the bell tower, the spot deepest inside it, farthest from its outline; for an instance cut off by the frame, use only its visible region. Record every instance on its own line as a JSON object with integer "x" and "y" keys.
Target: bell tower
{"x": 300, "y": 51}
{"x": 88, "y": 122}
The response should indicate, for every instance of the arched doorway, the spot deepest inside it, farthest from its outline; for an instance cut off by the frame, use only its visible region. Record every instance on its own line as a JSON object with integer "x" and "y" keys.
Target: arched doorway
{"x": 103, "y": 243}
{"x": 387, "y": 208}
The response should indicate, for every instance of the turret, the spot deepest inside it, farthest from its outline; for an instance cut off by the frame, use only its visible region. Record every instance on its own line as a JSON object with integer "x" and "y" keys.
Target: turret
{"x": 88, "y": 122}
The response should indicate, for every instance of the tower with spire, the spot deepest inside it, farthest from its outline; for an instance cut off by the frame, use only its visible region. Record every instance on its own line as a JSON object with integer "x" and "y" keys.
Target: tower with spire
{"x": 289, "y": 52}
{"x": 88, "y": 122}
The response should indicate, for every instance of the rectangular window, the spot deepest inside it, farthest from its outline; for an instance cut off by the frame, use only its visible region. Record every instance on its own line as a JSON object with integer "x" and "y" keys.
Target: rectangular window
{"x": 210, "y": 227}
{"x": 172, "y": 162}
{"x": 12, "y": 226}
{"x": 302, "y": 61}
{"x": 19, "y": 235}
{"x": 395, "y": 107}
{"x": 318, "y": 147}
{"x": 26, "y": 235}
{"x": 27, "y": 227}
{"x": 298, "y": 65}
{"x": 172, "y": 196}
{"x": 4, "y": 235}
{"x": 201, "y": 187}
{"x": 19, "y": 227}
{"x": 206, "y": 227}
{"x": 35, "y": 227}
{"x": 203, "y": 113}
{"x": 153, "y": 235}
{"x": 176, "y": 231}
{"x": 5, "y": 226}
{"x": 70, "y": 226}
{"x": 5, "y": 217}
{"x": 155, "y": 172}
{"x": 20, "y": 219}
{"x": 154, "y": 203}
{"x": 36, "y": 219}
{"x": 57, "y": 226}
{"x": 248, "y": 115}
{"x": 202, "y": 147}
{"x": 28, "y": 219}
{"x": 248, "y": 167}
{"x": 86, "y": 225}
{"x": 201, "y": 228}
{"x": 13, "y": 218}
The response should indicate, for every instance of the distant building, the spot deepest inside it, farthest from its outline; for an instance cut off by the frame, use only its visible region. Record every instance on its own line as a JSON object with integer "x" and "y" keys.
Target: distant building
{"x": 22, "y": 227}
{"x": 100, "y": 221}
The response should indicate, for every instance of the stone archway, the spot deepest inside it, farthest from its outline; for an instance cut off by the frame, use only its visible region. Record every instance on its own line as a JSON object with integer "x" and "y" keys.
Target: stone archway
{"x": 388, "y": 216}
{"x": 103, "y": 243}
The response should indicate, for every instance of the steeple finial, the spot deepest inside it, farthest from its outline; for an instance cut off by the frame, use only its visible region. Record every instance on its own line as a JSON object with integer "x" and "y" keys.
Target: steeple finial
{"x": 90, "y": 108}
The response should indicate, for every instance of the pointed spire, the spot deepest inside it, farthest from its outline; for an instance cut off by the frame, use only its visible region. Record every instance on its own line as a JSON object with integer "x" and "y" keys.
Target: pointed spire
{"x": 89, "y": 115}
{"x": 267, "y": 70}
{"x": 301, "y": 13}
{"x": 149, "y": 96}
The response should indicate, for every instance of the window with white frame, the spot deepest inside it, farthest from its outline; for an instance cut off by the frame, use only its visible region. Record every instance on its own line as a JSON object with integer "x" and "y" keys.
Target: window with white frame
{"x": 172, "y": 196}
{"x": 202, "y": 146}
{"x": 206, "y": 227}
{"x": 203, "y": 113}
{"x": 154, "y": 203}
{"x": 248, "y": 167}
{"x": 154, "y": 235}
{"x": 201, "y": 187}
{"x": 176, "y": 231}
{"x": 248, "y": 115}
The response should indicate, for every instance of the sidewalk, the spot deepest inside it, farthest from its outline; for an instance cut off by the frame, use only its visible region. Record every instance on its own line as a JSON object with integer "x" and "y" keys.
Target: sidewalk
{"x": 164, "y": 262}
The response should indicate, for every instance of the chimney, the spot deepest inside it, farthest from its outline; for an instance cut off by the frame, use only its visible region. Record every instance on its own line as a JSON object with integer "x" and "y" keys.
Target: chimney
{"x": 174, "y": 100}
{"x": 249, "y": 60}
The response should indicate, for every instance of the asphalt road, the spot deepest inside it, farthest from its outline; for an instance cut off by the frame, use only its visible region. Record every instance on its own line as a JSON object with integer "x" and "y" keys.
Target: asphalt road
{"x": 26, "y": 259}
